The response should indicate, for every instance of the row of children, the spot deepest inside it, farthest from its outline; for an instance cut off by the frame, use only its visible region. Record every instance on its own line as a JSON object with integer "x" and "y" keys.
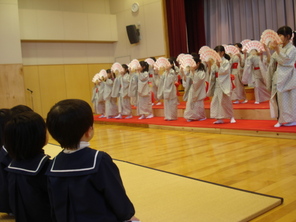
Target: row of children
{"x": 224, "y": 79}
{"x": 79, "y": 184}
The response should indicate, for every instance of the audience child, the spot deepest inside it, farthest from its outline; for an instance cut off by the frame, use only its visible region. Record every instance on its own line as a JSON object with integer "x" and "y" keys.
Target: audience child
{"x": 197, "y": 93}
{"x": 111, "y": 108}
{"x": 89, "y": 177}
{"x": 281, "y": 79}
{"x": 124, "y": 101}
{"x": 144, "y": 106}
{"x": 220, "y": 88}
{"x": 25, "y": 136}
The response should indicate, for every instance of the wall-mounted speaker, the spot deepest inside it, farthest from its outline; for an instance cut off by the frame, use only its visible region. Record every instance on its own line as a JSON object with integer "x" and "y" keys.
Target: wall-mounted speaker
{"x": 133, "y": 34}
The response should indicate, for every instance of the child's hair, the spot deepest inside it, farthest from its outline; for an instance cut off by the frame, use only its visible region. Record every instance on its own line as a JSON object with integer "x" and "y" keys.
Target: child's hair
{"x": 172, "y": 61}
{"x": 220, "y": 48}
{"x": 145, "y": 66}
{"x": 20, "y": 109}
{"x": 201, "y": 66}
{"x": 287, "y": 31}
{"x": 238, "y": 45}
{"x": 125, "y": 68}
{"x": 68, "y": 120}
{"x": 4, "y": 118}
{"x": 153, "y": 58}
{"x": 25, "y": 135}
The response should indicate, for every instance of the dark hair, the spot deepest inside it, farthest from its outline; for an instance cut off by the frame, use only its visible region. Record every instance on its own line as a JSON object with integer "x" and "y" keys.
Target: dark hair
{"x": 125, "y": 68}
{"x": 201, "y": 66}
{"x": 145, "y": 66}
{"x": 20, "y": 109}
{"x": 153, "y": 58}
{"x": 5, "y": 115}
{"x": 220, "y": 48}
{"x": 172, "y": 61}
{"x": 287, "y": 31}
{"x": 68, "y": 120}
{"x": 239, "y": 45}
{"x": 25, "y": 135}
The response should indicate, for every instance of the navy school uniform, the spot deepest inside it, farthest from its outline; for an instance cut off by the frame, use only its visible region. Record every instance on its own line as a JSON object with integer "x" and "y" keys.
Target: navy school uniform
{"x": 4, "y": 162}
{"x": 85, "y": 185}
{"x": 28, "y": 192}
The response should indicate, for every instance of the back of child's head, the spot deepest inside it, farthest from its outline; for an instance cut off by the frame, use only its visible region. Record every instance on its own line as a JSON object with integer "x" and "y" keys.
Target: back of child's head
{"x": 68, "y": 120}
{"x": 4, "y": 118}
{"x": 20, "y": 109}
{"x": 25, "y": 135}
{"x": 145, "y": 66}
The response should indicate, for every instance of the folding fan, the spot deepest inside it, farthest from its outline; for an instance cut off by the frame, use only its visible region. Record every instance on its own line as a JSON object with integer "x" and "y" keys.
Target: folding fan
{"x": 253, "y": 45}
{"x": 210, "y": 54}
{"x": 134, "y": 64}
{"x": 230, "y": 49}
{"x": 117, "y": 67}
{"x": 96, "y": 78}
{"x": 270, "y": 36}
{"x": 150, "y": 61}
{"x": 203, "y": 48}
{"x": 187, "y": 61}
{"x": 162, "y": 63}
{"x": 179, "y": 57}
{"x": 244, "y": 42}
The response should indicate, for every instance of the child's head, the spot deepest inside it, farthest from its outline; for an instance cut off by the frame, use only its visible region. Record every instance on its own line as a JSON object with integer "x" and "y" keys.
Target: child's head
{"x": 69, "y": 120}
{"x": 145, "y": 66}
{"x": 125, "y": 67}
{"x": 20, "y": 109}
{"x": 4, "y": 117}
{"x": 285, "y": 33}
{"x": 25, "y": 135}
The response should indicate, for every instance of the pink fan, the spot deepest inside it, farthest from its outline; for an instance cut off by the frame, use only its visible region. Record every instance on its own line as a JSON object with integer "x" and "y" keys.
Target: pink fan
{"x": 150, "y": 61}
{"x": 203, "y": 48}
{"x": 179, "y": 57}
{"x": 270, "y": 36}
{"x": 254, "y": 45}
{"x": 162, "y": 62}
{"x": 244, "y": 42}
{"x": 96, "y": 78}
{"x": 134, "y": 64}
{"x": 210, "y": 54}
{"x": 230, "y": 49}
{"x": 187, "y": 61}
{"x": 117, "y": 67}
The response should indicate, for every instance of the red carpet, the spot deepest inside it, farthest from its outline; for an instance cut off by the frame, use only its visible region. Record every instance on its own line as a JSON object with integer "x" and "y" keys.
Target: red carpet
{"x": 254, "y": 125}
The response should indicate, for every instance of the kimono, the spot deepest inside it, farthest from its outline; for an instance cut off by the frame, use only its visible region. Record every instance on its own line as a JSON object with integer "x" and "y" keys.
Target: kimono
{"x": 254, "y": 75}
{"x": 85, "y": 185}
{"x": 124, "y": 101}
{"x": 110, "y": 102}
{"x": 144, "y": 105}
{"x": 94, "y": 99}
{"x": 101, "y": 101}
{"x": 4, "y": 162}
{"x": 169, "y": 93}
{"x": 197, "y": 93}
{"x": 28, "y": 193}
{"x": 220, "y": 88}
{"x": 133, "y": 88}
{"x": 281, "y": 81}
{"x": 155, "y": 82}
{"x": 238, "y": 92}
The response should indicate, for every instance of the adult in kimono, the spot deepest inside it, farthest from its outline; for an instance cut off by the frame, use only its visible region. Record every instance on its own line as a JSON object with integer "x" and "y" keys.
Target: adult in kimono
{"x": 84, "y": 183}
{"x": 111, "y": 108}
{"x": 124, "y": 101}
{"x": 281, "y": 79}
{"x": 144, "y": 105}
{"x": 195, "y": 109}
{"x": 169, "y": 92}
{"x": 253, "y": 75}
{"x": 238, "y": 92}
{"x": 220, "y": 88}
{"x": 25, "y": 135}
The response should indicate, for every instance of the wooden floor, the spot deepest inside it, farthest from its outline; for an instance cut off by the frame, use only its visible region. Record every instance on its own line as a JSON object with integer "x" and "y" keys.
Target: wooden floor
{"x": 264, "y": 165}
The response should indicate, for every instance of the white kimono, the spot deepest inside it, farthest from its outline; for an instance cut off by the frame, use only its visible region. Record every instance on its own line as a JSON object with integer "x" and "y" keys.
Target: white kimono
{"x": 238, "y": 92}
{"x": 101, "y": 101}
{"x": 111, "y": 108}
{"x": 197, "y": 93}
{"x": 124, "y": 101}
{"x": 133, "y": 88}
{"x": 220, "y": 89}
{"x": 94, "y": 98}
{"x": 144, "y": 105}
{"x": 281, "y": 81}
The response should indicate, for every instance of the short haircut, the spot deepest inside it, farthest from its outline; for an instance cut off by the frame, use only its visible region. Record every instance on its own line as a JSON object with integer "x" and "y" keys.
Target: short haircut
{"x": 20, "y": 109}
{"x": 68, "y": 120}
{"x": 4, "y": 118}
{"x": 25, "y": 135}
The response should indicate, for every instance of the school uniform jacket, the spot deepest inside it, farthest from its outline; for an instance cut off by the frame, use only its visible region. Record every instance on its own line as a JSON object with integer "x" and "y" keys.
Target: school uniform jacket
{"x": 4, "y": 162}
{"x": 86, "y": 186}
{"x": 28, "y": 193}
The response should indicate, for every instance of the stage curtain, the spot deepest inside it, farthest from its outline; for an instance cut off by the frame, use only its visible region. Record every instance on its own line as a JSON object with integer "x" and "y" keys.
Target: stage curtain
{"x": 176, "y": 22}
{"x": 231, "y": 21}
{"x": 194, "y": 11}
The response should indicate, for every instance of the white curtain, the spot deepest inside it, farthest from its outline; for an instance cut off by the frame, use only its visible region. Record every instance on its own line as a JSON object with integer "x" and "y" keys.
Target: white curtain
{"x": 231, "y": 21}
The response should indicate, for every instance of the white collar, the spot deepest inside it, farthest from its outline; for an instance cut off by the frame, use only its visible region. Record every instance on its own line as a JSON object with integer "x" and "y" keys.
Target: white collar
{"x": 81, "y": 146}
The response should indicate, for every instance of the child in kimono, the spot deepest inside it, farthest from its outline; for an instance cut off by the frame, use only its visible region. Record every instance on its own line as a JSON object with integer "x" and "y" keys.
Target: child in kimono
{"x": 154, "y": 79}
{"x": 220, "y": 89}
{"x": 281, "y": 79}
{"x": 133, "y": 87}
{"x": 197, "y": 93}
{"x": 101, "y": 106}
{"x": 111, "y": 108}
{"x": 25, "y": 136}
{"x": 87, "y": 176}
{"x": 124, "y": 101}
{"x": 169, "y": 93}
{"x": 144, "y": 106}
